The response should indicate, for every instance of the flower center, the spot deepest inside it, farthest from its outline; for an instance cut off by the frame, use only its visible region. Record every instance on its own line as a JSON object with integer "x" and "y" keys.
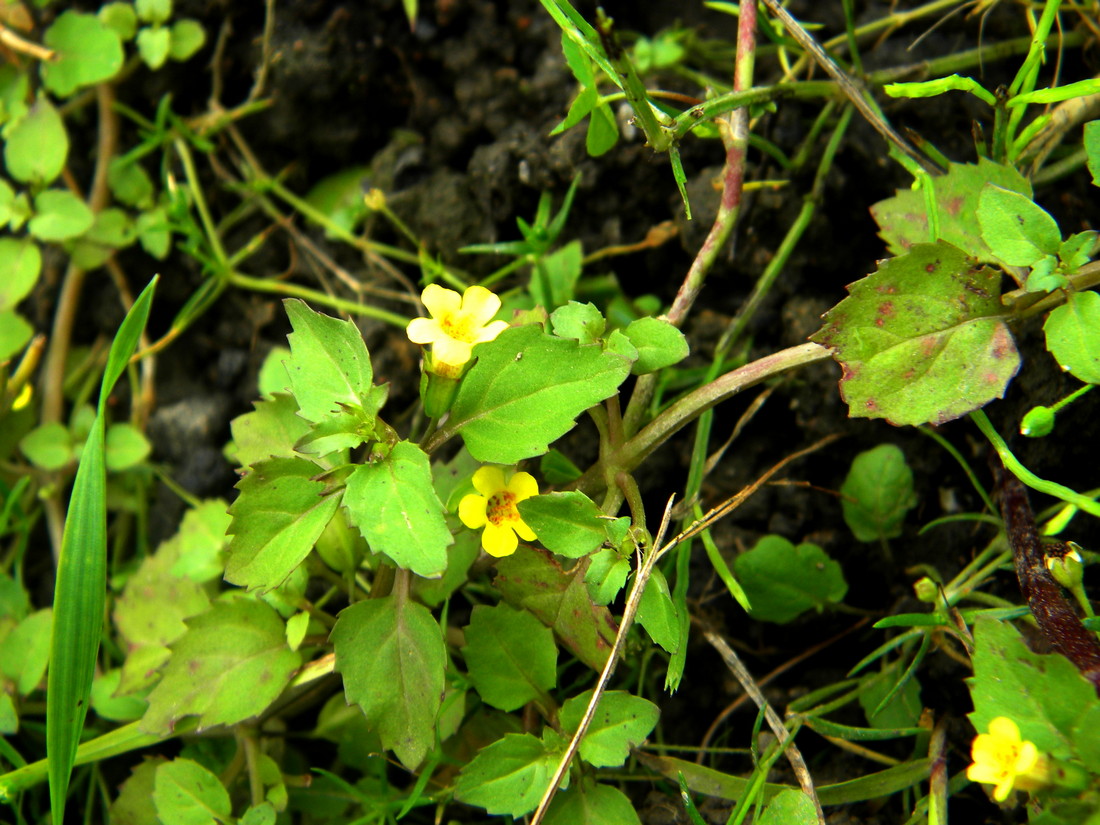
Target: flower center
{"x": 458, "y": 326}
{"x": 502, "y": 508}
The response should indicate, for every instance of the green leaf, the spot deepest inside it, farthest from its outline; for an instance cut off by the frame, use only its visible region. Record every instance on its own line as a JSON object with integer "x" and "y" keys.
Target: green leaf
{"x": 923, "y": 339}
{"x": 533, "y": 581}
{"x": 591, "y": 803}
{"x": 111, "y": 230}
{"x": 659, "y": 344}
{"x": 569, "y": 524}
{"x": 153, "y": 46}
{"x": 657, "y": 613}
{"x": 329, "y": 364}
{"x": 20, "y": 264}
{"x": 603, "y": 131}
{"x": 1016, "y": 230}
{"x": 48, "y": 446}
{"x": 392, "y": 657}
{"x": 88, "y": 52}
{"x": 278, "y": 516}
{"x": 526, "y": 390}
{"x": 109, "y": 704}
{"x": 607, "y": 573}
{"x": 557, "y": 469}
{"x": 230, "y": 665}
{"x": 339, "y": 197}
{"x": 126, "y": 447}
{"x": 188, "y": 37}
{"x": 903, "y": 219}
{"x": 120, "y": 18}
{"x": 1074, "y": 251}
{"x": 25, "y": 651}
{"x": 59, "y": 214}
{"x": 270, "y": 431}
{"x": 789, "y": 807}
{"x": 186, "y": 793}
{"x": 507, "y": 777}
{"x": 621, "y": 722}
{"x": 782, "y": 580}
{"x": 153, "y": 11}
{"x": 1092, "y": 149}
{"x": 1046, "y": 696}
{"x": 394, "y": 505}
{"x": 902, "y": 711}
{"x": 36, "y": 147}
{"x": 510, "y": 655}
{"x": 554, "y": 277}
{"x": 1073, "y": 335}
{"x": 15, "y": 332}
{"x": 154, "y": 232}
{"x": 129, "y": 182}
{"x": 81, "y": 583}
{"x": 580, "y": 321}
{"x": 877, "y": 493}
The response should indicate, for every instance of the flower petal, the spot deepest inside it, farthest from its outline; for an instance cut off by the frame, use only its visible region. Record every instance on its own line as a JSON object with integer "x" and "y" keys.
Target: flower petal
{"x": 440, "y": 301}
{"x": 525, "y": 532}
{"x": 984, "y": 773}
{"x": 450, "y": 351}
{"x": 471, "y": 511}
{"x": 1004, "y": 788}
{"x": 480, "y": 305}
{"x": 423, "y": 330}
{"x": 489, "y": 480}
{"x": 1026, "y": 758}
{"x": 523, "y": 485}
{"x": 490, "y": 331}
{"x": 499, "y": 540}
{"x": 1004, "y": 728}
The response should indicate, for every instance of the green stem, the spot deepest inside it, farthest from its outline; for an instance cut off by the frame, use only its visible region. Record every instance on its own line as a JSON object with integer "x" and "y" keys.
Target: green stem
{"x": 1013, "y": 465}
{"x": 316, "y": 297}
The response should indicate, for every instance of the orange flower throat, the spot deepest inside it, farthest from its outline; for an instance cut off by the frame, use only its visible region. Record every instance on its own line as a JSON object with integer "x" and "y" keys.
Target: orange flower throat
{"x": 502, "y": 508}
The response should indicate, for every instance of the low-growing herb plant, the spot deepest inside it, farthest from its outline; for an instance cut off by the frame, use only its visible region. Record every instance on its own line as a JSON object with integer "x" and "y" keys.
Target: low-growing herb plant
{"x": 471, "y": 616}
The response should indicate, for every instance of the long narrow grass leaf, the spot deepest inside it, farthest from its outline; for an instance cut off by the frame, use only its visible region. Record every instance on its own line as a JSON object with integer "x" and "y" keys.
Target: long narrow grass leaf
{"x": 80, "y": 590}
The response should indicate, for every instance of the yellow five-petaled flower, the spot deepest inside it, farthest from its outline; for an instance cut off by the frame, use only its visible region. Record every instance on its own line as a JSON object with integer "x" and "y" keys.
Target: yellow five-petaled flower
{"x": 495, "y": 509}
{"x": 457, "y": 323}
{"x": 1004, "y": 760}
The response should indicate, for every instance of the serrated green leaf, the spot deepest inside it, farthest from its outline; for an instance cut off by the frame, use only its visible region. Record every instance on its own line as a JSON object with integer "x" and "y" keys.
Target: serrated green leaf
{"x": 59, "y": 215}
{"x": 533, "y": 581}
{"x": 391, "y": 655}
{"x": 153, "y": 46}
{"x": 923, "y": 339}
{"x": 270, "y": 431}
{"x": 88, "y": 52}
{"x": 580, "y": 321}
{"x": 659, "y": 344}
{"x": 782, "y": 580}
{"x": 621, "y": 722}
{"x": 394, "y": 505}
{"x": 188, "y": 36}
{"x": 1014, "y": 228}
{"x": 877, "y": 493}
{"x": 36, "y": 147}
{"x": 507, "y": 777}
{"x": 526, "y": 390}
{"x": 1046, "y": 696}
{"x": 510, "y": 655}
{"x": 20, "y": 264}
{"x": 591, "y": 803}
{"x": 186, "y": 793}
{"x": 230, "y": 665}
{"x": 1073, "y": 335}
{"x": 657, "y": 613}
{"x": 569, "y": 524}
{"x": 903, "y": 219}
{"x": 276, "y": 519}
{"x": 329, "y": 364}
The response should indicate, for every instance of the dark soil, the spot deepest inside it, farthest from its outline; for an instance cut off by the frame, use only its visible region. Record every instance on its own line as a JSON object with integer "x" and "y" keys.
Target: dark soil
{"x": 455, "y": 118}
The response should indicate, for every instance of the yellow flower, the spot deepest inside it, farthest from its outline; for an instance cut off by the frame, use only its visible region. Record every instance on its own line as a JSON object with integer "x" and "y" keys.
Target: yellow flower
{"x": 457, "y": 323}
{"x": 1004, "y": 760}
{"x": 495, "y": 509}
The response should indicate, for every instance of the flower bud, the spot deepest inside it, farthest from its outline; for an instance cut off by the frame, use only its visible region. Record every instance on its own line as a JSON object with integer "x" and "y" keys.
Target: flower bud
{"x": 1067, "y": 569}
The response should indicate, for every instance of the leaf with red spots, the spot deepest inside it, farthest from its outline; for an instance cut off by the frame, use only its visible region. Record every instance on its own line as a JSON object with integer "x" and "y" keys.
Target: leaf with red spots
{"x": 903, "y": 219}
{"x": 923, "y": 339}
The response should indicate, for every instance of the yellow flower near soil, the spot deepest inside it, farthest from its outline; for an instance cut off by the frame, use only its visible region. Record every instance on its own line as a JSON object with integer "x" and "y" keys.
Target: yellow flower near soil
{"x": 1005, "y": 761}
{"x": 457, "y": 323}
{"x": 495, "y": 509}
